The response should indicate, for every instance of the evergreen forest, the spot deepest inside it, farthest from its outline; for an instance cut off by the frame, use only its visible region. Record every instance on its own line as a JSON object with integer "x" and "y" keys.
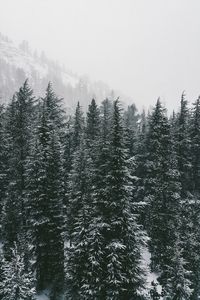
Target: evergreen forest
{"x": 98, "y": 205}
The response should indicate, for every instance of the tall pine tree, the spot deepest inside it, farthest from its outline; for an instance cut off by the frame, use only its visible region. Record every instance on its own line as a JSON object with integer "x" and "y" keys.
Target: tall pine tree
{"x": 120, "y": 231}
{"x": 45, "y": 196}
{"x": 195, "y": 139}
{"x": 184, "y": 147}
{"x": 19, "y": 125}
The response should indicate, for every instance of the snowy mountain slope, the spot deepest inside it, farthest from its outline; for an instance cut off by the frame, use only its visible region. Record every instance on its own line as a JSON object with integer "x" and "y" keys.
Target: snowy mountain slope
{"x": 18, "y": 63}
{"x": 20, "y": 59}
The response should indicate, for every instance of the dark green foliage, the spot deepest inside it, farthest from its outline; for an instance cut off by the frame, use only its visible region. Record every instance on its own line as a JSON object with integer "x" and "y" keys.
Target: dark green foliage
{"x": 184, "y": 147}
{"x": 93, "y": 123}
{"x": 104, "y": 258}
{"x": 90, "y": 185}
{"x": 189, "y": 232}
{"x": 19, "y": 122}
{"x": 119, "y": 228}
{"x": 195, "y": 142}
{"x": 45, "y": 196}
{"x": 78, "y": 127}
{"x": 178, "y": 284}
{"x": 80, "y": 264}
{"x": 131, "y": 118}
{"x": 17, "y": 282}
{"x": 3, "y": 164}
{"x": 84, "y": 257}
{"x": 163, "y": 185}
{"x": 68, "y": 148}
{"x": 137, "y": 164}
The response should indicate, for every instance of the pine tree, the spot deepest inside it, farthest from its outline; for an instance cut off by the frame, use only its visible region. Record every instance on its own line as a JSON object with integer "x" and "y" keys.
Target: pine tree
{"x": 92, "y": 136}
{"x": 131, "y": 118}
{"x": 120, "y": 231}
{"x": 178, "y": 286}
{"x": 104, "y": 258}
{"x": 68, "y": 149}
{"x": 78, "y": 126}
{"x": 74, "y": 136}
{"x": 1, "y": 272}
{"x": 190, "y": 241}
{"x": 156, "y": 166}
{"x": 195, "y": 141}
{"x": 45, "y": 197}
{"x": 138, "y": 168}
{"x": 184, "y": 147}
{"x": 81, "y": 283}
{"x": 163, "y": 191}
{"x": 18, "y": 283}
{"x": 189, "y": 209}
{"x": 19, "y": 128}
{"x": 67, "y": 166}
{"x": 93, "y": 121}
{"x": 3, "y": 164}
{"x": 74, "y": 133}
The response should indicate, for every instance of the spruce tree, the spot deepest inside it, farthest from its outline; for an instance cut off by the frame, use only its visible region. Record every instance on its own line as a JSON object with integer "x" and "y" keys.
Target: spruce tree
{"x": 68, "y": 149}
{"x": 157, "y": 169}
{"x": 189, "y": 209}
{"x": 121, "y": 234}
{"x": 78, "y": 126}
{"x": 45, "y": 197}
{"x": 103, "y": 260}
{"x": 190, "y": 241}
{"x": 67, "y": 166}
{"x": 178, "y": 286}
{"x": 3, "y": 164}
{"x": 138, "y": 168}
{"x": 140, "y": 149}
{"x": 184, "y": 147}
{"x": 195, "y": 142}
{"x": 74, "y": 136}
{"x": 17, "y": 282}
{"x": 92, "y": 137}
{"x": 19, "y": 128}
{"x": 81, "y": 276}
{"x": 131, "y": 118}
{"x": 163, "y": 189}
{"x": 92, "y": 128}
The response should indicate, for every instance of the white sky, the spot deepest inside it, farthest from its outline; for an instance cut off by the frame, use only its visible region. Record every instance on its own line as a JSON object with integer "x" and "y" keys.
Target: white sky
{"x": 145, "y": 48}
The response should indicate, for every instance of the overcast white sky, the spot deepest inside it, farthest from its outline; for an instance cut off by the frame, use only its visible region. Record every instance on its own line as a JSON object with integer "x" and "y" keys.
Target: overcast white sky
{"x": 145, "y": 48}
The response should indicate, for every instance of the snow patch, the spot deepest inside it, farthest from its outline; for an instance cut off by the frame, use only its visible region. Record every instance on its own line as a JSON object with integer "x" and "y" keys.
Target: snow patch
{"x": 151, "y": 277}
{"x": 43, "y": 296}
{"x": 1, "y": 246}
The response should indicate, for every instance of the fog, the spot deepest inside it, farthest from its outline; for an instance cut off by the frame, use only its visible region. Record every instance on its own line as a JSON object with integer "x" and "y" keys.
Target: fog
{"x": 145, "y": 48}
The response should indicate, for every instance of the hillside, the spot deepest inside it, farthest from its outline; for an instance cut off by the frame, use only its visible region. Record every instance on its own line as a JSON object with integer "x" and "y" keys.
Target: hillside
{"x": 19, "y": 62}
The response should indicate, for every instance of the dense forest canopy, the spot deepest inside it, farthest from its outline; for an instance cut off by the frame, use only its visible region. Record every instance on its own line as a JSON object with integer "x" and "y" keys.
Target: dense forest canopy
{"x": 103, "y": 205}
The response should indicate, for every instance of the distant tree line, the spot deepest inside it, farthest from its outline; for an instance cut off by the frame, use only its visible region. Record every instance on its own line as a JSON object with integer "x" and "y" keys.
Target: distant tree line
{"x": 81, "y": 195}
